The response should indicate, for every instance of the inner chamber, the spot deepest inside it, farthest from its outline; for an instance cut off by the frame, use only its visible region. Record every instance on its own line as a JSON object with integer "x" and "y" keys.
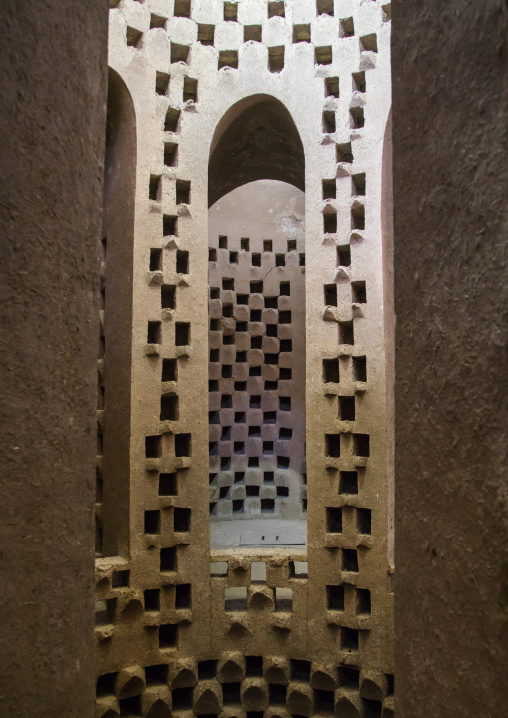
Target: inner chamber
{"x": 256, "y": 275}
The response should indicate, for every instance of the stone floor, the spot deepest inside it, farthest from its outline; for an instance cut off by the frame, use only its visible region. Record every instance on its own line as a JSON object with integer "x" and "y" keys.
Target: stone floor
{"x": 257, "y": 533}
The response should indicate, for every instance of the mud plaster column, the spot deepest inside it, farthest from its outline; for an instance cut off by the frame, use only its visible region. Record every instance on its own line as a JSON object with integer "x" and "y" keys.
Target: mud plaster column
{"x": 450, "y": 186}
{"x": 53, "y": 121}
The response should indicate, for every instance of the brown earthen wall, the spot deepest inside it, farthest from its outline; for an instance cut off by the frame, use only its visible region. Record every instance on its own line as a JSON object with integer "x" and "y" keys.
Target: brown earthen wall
{"x": 52, "y": 128}
{"x": 450, "y": 74}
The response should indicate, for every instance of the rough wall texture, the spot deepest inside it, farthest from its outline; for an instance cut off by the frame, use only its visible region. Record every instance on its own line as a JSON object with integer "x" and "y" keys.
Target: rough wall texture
{"x": 52, "y": 127}
{"x": 450, "y": 70}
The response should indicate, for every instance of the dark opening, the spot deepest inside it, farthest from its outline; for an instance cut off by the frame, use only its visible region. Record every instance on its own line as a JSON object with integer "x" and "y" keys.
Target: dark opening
{"x": 168, "y": 485}
{"x": 169, "y": 370}
{"x": 181, "y": 519}
{"x": 183, "y": 595}
{"x": 152, "y": 522}
{"x": 335, "y": 598}
{"x": 168, "y": 559}
{"x": 348, "y": 482}
{"x": 334, "y": 520}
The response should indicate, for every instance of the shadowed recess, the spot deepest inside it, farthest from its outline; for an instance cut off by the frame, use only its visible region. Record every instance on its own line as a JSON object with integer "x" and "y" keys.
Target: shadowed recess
{"x": 256, "y": 139}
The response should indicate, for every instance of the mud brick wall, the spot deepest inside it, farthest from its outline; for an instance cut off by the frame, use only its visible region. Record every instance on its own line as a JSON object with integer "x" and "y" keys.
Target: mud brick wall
{"x": 170, "y": 634}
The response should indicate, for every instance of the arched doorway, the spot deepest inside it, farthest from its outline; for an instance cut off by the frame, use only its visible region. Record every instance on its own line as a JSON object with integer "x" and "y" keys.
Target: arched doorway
{"x": 257, "y": 328}
{"x": 113, "y": 450}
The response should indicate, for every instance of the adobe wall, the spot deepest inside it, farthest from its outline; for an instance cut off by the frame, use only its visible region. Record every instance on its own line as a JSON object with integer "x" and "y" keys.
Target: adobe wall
{"x": 450, "y": 70}
{"x": 167, "y": 638}
{"x": 52, "y": 127}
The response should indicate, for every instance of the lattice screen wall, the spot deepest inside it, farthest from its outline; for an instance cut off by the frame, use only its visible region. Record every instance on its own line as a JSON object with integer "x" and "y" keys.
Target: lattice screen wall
{"x": 257, "y": 354}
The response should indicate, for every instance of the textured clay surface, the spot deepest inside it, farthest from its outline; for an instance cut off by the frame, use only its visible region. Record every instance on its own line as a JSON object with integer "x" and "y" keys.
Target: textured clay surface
{"x": 450, "y": 177}
{"x": 53, "y": 77}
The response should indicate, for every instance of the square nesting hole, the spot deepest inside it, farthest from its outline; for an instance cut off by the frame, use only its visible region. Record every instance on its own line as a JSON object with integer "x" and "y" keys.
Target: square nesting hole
{"x": 359, "y": 292}
{"x": 329, "y": 121}
{"x": 301, "y": 33}
{"x": 235, "y": 598}
{"x": 133, "y": 36}
{"x": 157, "y": 21}
{"x": 190, "y": 89}
{"x": 334, "y": 520}
{"x": 154, "y": 188}
{"x": 276, "y": 58}
{"x": 284, "y": 599}
{"x": 170, "y": 225}
{"x": 276, "y": 8}
{"x": 171, "y": 121}
{"x": 170, "y": 154}
{"x": 252, "y": 33}
{"x": 161, "y": 83}
{"x": 206, "y": 34}
{"x": 323, "y": 55}
{"x": 357, "y": 117}
{"x": 324, "y": 7}
{"x": 335, "y": 598}
{"x": 182, "y": 8}
{"x": 348, "y": 483}
{"x": 120, "y": 579}
{"x": 228, "y": 58}
{"x": 347, "y": 411}
{"x": 369, "y": 42}
{"x": 231, "y": 11}
{"x": 347, "y": 27}
{"x": 332, "y": 87}
{"x": 168, "y": 636}
{"x": 358, "y": 184}
{"x": 329, "y": 189}
{"x": 359, "y": 84}
{"x": 360, "y": 368}
{"x": 331, "y": 371}
{"x": 344, "y": 152}
{"x": 179, "y": 53}
{"x": 182, "y": 191}
{"x": 168, "y": 484}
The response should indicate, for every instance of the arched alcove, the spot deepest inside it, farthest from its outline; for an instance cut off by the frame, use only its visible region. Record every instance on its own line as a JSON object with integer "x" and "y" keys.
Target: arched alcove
{"x": 255, "y": 139}
{"x": 389, "y": 324}
{"x": 113, "y": 464}
{"x": 257, "y": 328}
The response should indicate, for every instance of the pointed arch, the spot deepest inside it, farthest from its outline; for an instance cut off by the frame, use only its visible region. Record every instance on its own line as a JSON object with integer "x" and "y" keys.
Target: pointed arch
{"x": 255, "y": 139}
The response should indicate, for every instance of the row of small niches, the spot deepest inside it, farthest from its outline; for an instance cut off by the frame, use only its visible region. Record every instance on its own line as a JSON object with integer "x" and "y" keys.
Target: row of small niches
{"x": 296, "y": 569}
{"x": 257, "y": 259}
{"x": 256, "y": 477}
{"x": 295, "y": 671}
{"x": 235, "y": 599}
{"x": 252, "y": 33}
{"x": 240, "y": 462}
{"x": 240, "y": 432}
{"x": 242, "y": 491}
{"x": 181, "y": 599}
{"x": 255, "y": 287}
{"x": 275, "y": 8}
{"x": 245, "y": 246}
{"x": 255, "y": 507}
{"x": 347, "y": 484}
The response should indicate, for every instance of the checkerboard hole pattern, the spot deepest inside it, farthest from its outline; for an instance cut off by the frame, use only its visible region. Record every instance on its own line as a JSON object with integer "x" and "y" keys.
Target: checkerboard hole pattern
{"x": 252, "y": 686}
{"x": 255, "y": 445}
